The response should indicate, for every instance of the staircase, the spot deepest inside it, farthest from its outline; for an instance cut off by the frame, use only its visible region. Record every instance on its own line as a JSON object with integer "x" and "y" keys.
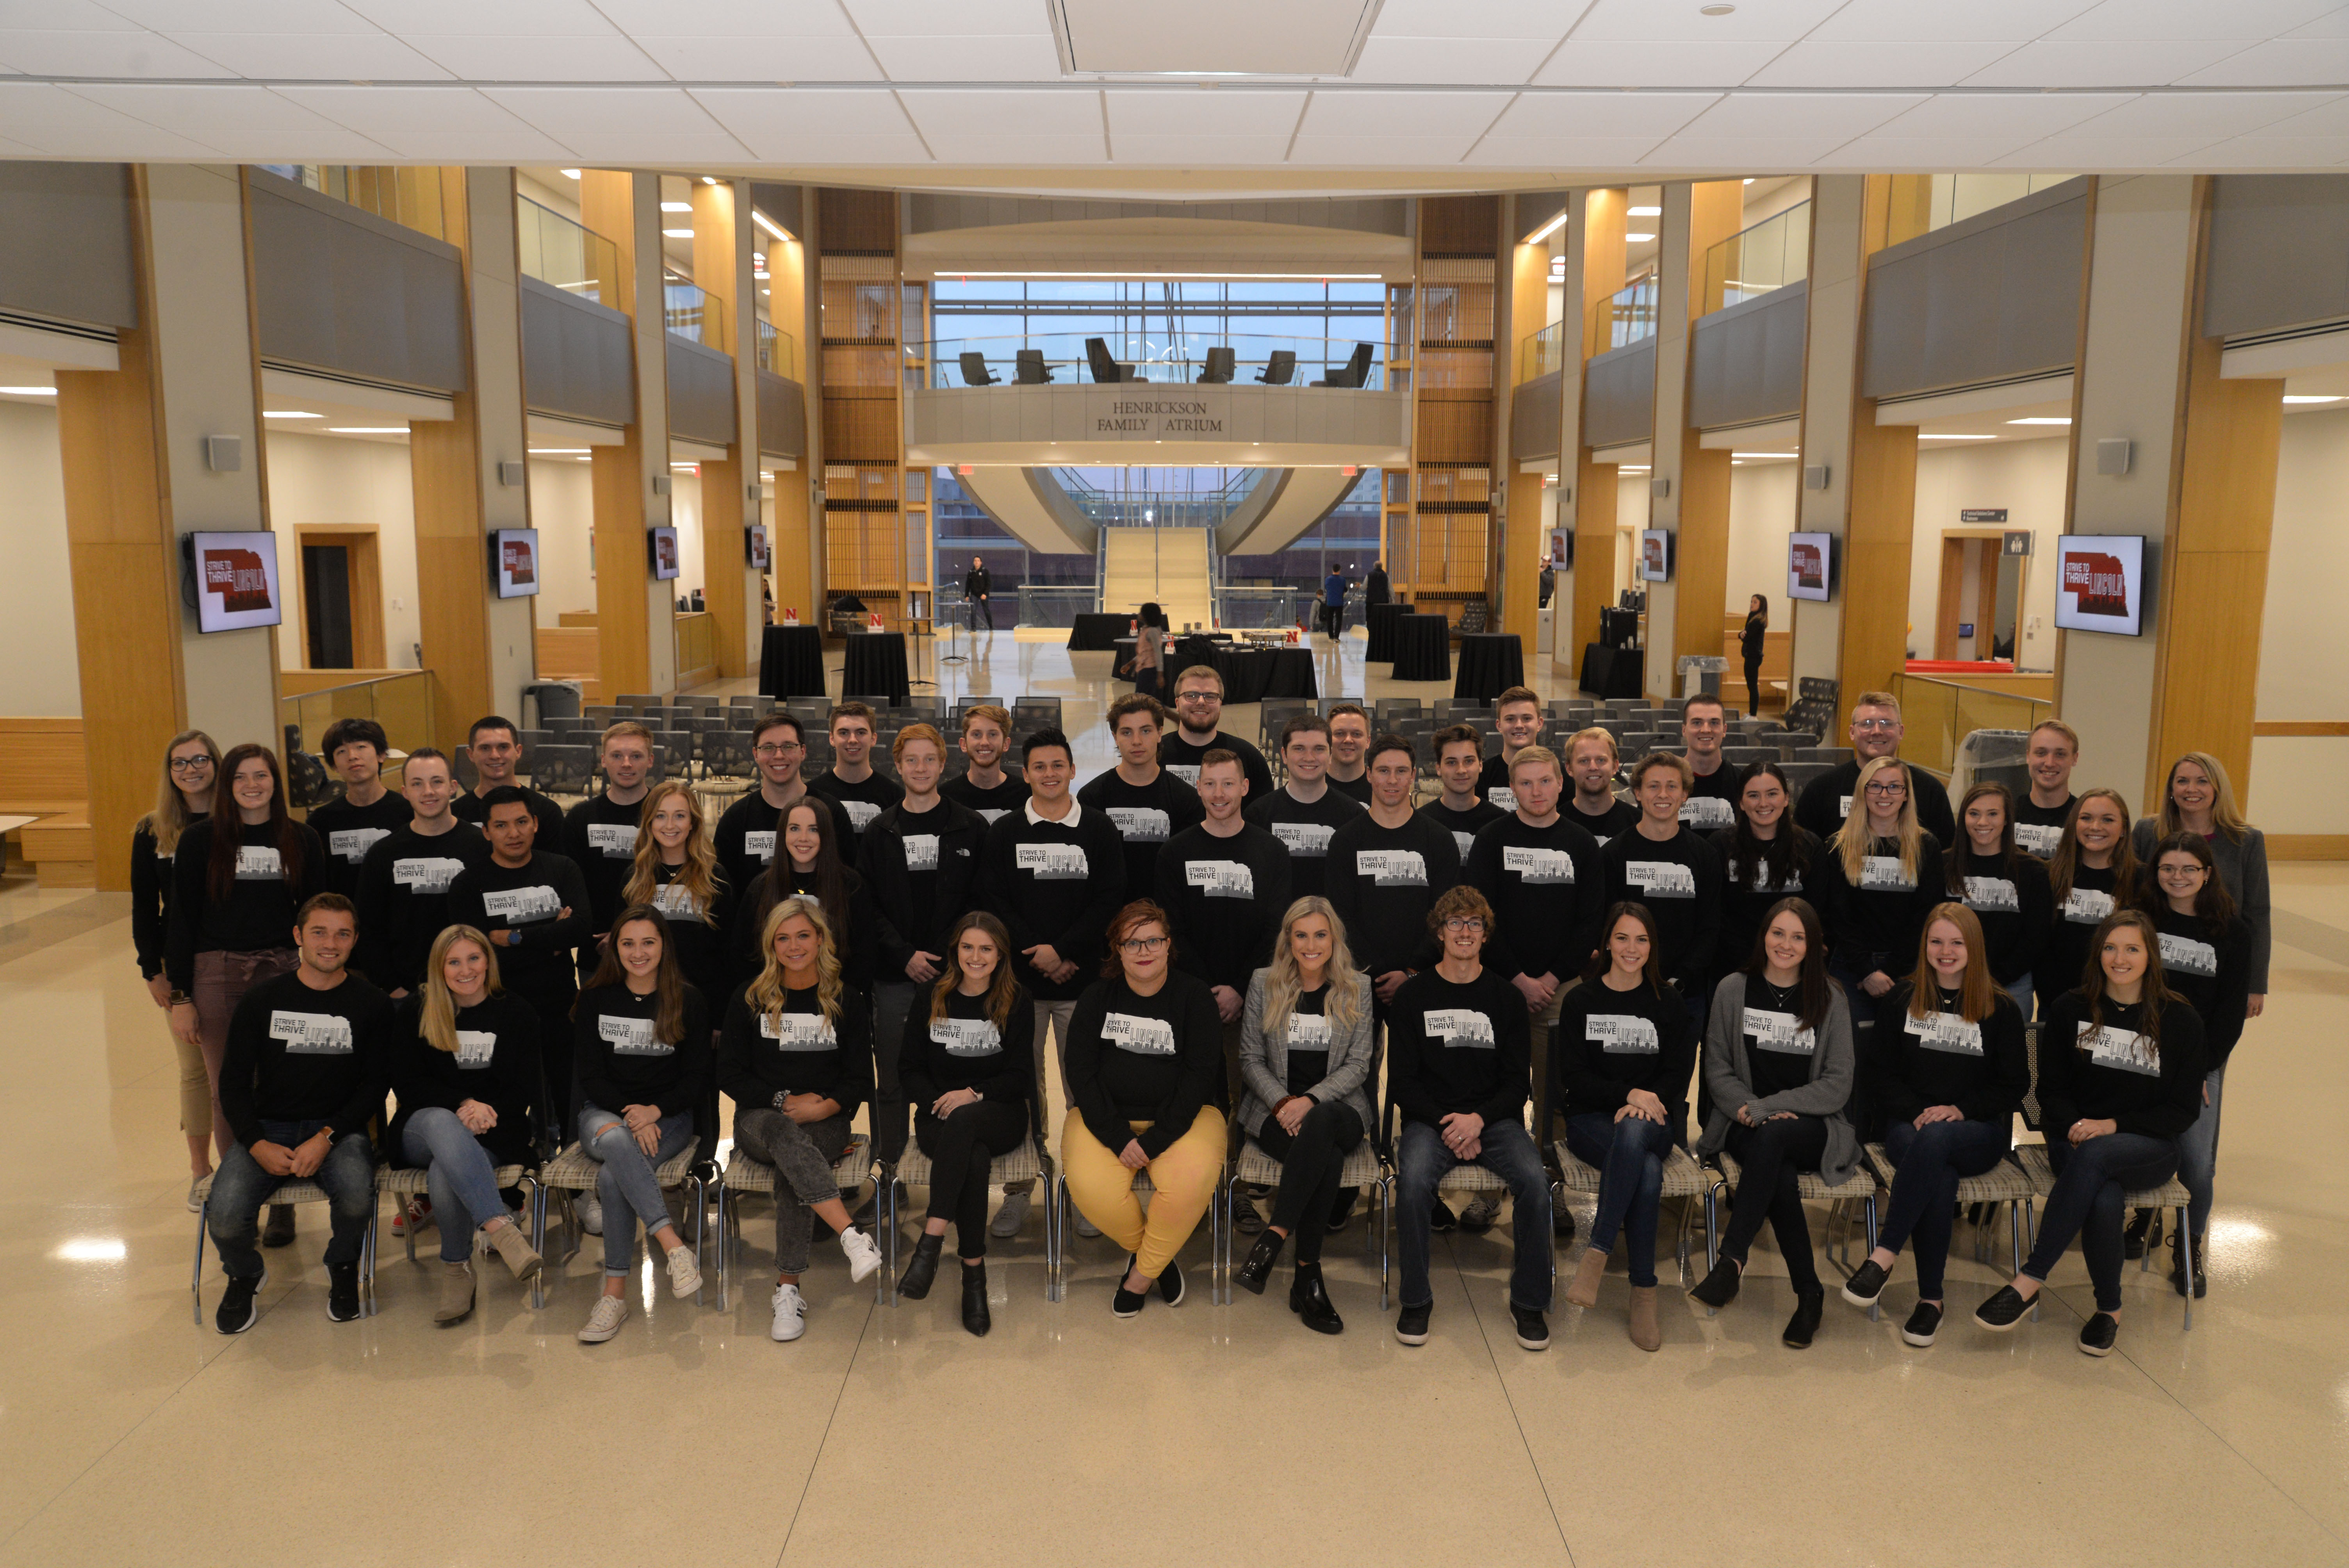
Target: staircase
{"x": 1169, "y": 565}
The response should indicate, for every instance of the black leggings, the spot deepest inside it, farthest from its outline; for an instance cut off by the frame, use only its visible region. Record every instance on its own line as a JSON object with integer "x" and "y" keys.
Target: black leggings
{"x": 1754, "y": 688}
{"x": 959, "y": 1148}
{"x": 1310, "y": 1164}
{"x": 1770, "y": 1156}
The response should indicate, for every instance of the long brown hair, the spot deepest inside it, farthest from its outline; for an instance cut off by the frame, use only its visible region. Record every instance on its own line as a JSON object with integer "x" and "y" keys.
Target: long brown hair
{"x": 228, "y": 825}
{"x": 2153, "y": 991}
{"x": 436, "y": 1020}
{"x": 2214, "y": 906}
{"x": 1817, "y": 990}
{"x": 2064, "y": 864}
{"x": 1977, "y": 993}
{"x": 669, "y": 980}
{"x": 1002, "y": 991}
{"x": 831, "y": 872}
{"x": 1602, "y": 960}
{"x": 170, "y": 818}
{"x": 1782, "y": 859}
{"x": 698, "y": 876}
{"x": 1953, "y": 862}
{"x": 768, "y": 993}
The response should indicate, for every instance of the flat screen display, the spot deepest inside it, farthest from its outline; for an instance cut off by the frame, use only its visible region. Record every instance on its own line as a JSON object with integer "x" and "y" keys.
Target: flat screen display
{"x": 235, "y": 576}
{"x": 661, "y": 544}
{"x": 2100, "y": 583}
{"x": 1810, "y": 565}
{"x": 754, "y": 539}
{"x": 1561, "y": 550}
{"x": 513, "y": 561}
{"x": 1655, "y": 555}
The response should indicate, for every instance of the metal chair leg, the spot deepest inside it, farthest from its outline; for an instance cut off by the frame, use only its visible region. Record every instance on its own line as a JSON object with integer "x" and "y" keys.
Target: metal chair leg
{"x": 700, "y": 1191}
{"x": 196, "y": 1280}
{"x": 1386, "y": 1241}
{"x": 1053, "y": 1241}
{"x": 1873, "y": 1307}
{"x": 725, "y": 1251}
{"x": 2031, "y": 1233}
{"x": 367, "y": 1263}
{"x": 2186, "y": 1257}
{"x": 886, "y": 1205}
{"x": 538, "y": 1244}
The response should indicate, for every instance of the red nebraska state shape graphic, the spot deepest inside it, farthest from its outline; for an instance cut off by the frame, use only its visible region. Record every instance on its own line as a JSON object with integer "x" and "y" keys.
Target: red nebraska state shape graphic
{"x": 2098, "y": 582}
{"x": 238, "y": 578}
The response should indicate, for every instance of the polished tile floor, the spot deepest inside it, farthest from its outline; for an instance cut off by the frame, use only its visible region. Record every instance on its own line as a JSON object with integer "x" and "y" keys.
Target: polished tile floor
{"x": 1193, "y": 1435}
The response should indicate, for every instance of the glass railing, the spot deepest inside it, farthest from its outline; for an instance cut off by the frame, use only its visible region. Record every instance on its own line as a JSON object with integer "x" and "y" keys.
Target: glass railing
{"x": 1769, "y": 255}
{"x": 1261, "y": 609}
{"x": 1957, "y": 197}
{"x": 1159, "y": 358}
{"x": 1158, "y": 509}
{"x": 402, "y": 704}
{"x": 409, "y": 197}
{"x": 697, "y": 315}
{"x": 1542, "y": 352}
{"x": 1940, "y": 714}
{"x": 779, "y": 352}
{"x": 1628, "y": 316}
{"x": 556, "y": 250}
{"x": 1056, "y": 604}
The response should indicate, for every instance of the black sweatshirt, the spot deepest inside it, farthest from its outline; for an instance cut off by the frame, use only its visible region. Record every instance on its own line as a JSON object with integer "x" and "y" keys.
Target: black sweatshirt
{"x": 860, "y": 802}
{"x": 1464, "y": 826}
{"x": 1182, "y": 759}
{"x": 1492, "y": 784}
{"x": 349, "y": 832}
{"x": 258, "y": 913}
{"x": 749, "y": 836}
{"x": 298, "y": 1055}
{"x": 1748, "y": 892}
{"x": 495, "y": 1062}
{"x": 1711, "y": 803}
{"x": 2014, "y": 907}
{"x": 760, "y": 1057}
{"x": 965, "y": 1050}
{"x": 1306, "y": 1048}
{"x": 1826, "y": 800}
{"x": 2120, "y": 1077}
{"x": 1545, "y": 885}
{"x": 618, "y": 1059}
{"x": 1611, "y": 1042}
{"x": 600, "y": 836}
{"x": 701, "y": 946}
{"x": 1158, "y": 1059}
{"x": 1226, "y": 897}
{"x": 1779, "y": 1059}
{"x": 855, "y": 939}
{"x": 1148, "y": 815}
{"x": 923, "y": 870}
{"x": 2064, "y": 962}
{"x": 150, "y": 899}
{"x": 1617, "y": 819}
{"x": 1878, "y": 925}
{"x": 1941, "y": 1059}
{"x": 470, "y": 807}
{"x": 1357, "y": 789}
{"x": 1458, "y": 1047}
{"x": 1680, "y": 881}
{"x": 988, "y": 804}
{"x": 1054, "y": 883}
{"x": 1383, "y": 881}
{"x": 403, "y": 900}
{"x": 2038, "y": 828}
{"x": 2212, "y": 970}
{"x": 530, "y": 899}
{"x": 1304, "y": 830}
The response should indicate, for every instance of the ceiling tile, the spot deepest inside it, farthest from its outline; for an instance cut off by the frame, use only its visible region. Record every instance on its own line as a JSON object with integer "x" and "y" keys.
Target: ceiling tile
{"x": 1611, "y": 62}
{"x": 1977, "y": 21}
{"x": 986, "y": 58}
{"x": 1460, "y": 118}
{"x": 56, "y": 121}
{"x": 1894, "y": 154}
{"x": 1373, "y": 149}
{"x": 519, "y": 144}
{"x": 621, "y": 147}
{"x": 569, "y": 113}
{"x": 1994, "y": 116}
{"x": 1726, "y": 155}
{"x": 2106, "y": 63}
{"x": 784, "y": 127}
{"x": 732, "y": 18}
{"x": 2266, "y": 151}
{"x": 733, "y": 58}
{"x": 2326, "y": 119}
{"x": 2334, "y": 24}
{"x": 103, "y": 55}
{"x": 503, "y": 19}
{"x": 1682, "y": 21}
{"x": 1186, "y": 151}
{"x": 2208, "y": 115}
{"x": 2134, "y": 20}
{"x": 384, "y": 111}
{"x": 1493, "y": 18}
{"x": 913, "y": 18}
{"x": 1837, "y": 65}
{"x": 1550, "y": 152}
{"x": 1184, "y": 112}
{"x": 1598, "y": 114}
{"x": 251, "y": 124}
{"x": 2281, "y": 63}
{"x": 238, "y": 15}
{"x": 298, "y": 57}
{"x": 1833, "y": 117}
{"x": 947, "y": 112}
{"x": 2105, "y": 155}
{"x": 62, "y": 16}
{"x": 1475, "y": 62}
{"x": 487, "y": 58}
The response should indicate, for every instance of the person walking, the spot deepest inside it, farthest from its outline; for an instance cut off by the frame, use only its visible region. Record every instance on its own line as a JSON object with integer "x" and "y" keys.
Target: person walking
{"x": 978, "y": 593}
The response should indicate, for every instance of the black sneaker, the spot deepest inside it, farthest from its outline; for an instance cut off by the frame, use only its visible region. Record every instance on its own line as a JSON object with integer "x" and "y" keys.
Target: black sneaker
{"x": 2132, "y": 1239}
{"x": 1410, "y": 1324}
{"x": 1246, "y": 1218}
{"x": 1865, "y": 1284}
{"x": 1127, "y": 1303}
{"x": 342, "y": 1292}
{"x": 238, "y": 1309}
{"x": 2003, "y": 1310}
{"x": 1810, "y": 1305}
{"x": 1922, "y": 1325}
{"x": 2096, "y": 1336}
{"x": 1533, "y": 1329}
{"x": 1440, "y": 1216}
{"x": 1170, "y": 1283}
{"x": 2177, "y": 1271}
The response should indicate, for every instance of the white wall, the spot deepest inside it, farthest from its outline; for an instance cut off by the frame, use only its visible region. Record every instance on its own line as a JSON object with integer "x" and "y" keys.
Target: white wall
{"x": 2295, "y": 783}
{"x": 563, "y": 509}
{"x": 1762, "y": 502}
{"x": 685, "y": 514}
{"x": 43, "y": 677}
{"x": 2025, "y": 477}
{"x": 338, "y": 479}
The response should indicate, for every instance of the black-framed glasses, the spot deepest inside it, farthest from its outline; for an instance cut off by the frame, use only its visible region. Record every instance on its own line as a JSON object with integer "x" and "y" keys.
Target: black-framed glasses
{"x": 189, "y": 764}
{"x": 1143, "y": 944}
{"x": 1457, "y": 926}
{"x": 777, "y": 748}
{"x": 1887, "y": 791}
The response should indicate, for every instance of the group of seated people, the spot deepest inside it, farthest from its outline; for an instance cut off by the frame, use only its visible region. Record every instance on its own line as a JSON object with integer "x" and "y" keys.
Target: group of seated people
{"x": 1200, "y": 947}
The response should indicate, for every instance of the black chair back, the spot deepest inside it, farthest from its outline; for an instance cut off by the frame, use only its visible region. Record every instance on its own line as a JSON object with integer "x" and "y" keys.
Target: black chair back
{"x": 975, "y": 372}
{"x": 1278, "y": 369}
{"x": 1222, "y": 363}
{"x": 1358, "y": 368}
{"x": 1096, "y": 355}
{"x": 1028, "y": 365}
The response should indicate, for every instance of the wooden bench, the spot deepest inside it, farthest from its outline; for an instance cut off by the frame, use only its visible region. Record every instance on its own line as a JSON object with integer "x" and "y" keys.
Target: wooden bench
{"x": 45, "y": 774}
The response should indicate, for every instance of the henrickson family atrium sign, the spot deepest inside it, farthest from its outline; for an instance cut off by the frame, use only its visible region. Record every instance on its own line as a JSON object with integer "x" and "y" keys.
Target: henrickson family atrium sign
{"x": 1158, "y": 416}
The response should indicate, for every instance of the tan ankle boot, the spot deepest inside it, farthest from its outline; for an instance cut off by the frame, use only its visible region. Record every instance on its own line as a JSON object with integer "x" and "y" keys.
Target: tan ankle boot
{"x": 1584, "y": 1290}
{"x": 1647, "y": 1332}
{"x": 515, "y": 1248}
{"x": 456, "y": 1293}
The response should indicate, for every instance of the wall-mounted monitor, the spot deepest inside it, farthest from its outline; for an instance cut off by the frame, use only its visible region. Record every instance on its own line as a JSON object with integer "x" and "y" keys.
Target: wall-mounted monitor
{"x": 2100, "y": 583}
{"x": 1561, "y": 550}
{"x": 755, "y": 545}
{"x": 1810, "y": 565}
{"x": 231, "y": 580}
{"x": 513, "y": 561}
{"x": 660, "y": 545}
{"x": 1655, "y": 555}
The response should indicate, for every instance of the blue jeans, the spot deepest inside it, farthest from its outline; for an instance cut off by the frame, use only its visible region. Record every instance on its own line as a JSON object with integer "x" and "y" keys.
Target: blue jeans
{"x": 2090, "y": 1180}
{"x": 347, "y": 1175}
{"x": 458, "y": 1172}
{"x": 2020, "y": 990}
{"x": 1929, "y": 1160}
{"x": 625, "y": 1185}
{"x": 1629, "y": 1157}
{"x": 2198, "y": 1157}
{"x": 1508, "y": 1153}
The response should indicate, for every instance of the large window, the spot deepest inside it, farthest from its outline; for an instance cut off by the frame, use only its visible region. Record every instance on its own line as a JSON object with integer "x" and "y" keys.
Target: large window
{"x": 1164, "y": 327}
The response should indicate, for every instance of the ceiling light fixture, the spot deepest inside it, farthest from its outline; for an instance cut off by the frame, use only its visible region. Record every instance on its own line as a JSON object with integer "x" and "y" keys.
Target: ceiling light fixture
{"x": 559, "y": 451}
{"x": 367, "y": 429}
{"x": 1638, "y": 239}
{"x": 2309, "y": 399}
{"x": 1761, "y": 454}
{"x": 569, "y": 173}
{"x": 677, "y": 206}
{"x": 768, "y": 224}
{"x": 1937, "y": 435}
{"x": 1552, "y": 227}
{"x": 710, "y": 180}
{"x": 677, "y": 233}
{"x": 288, "y": 414}
{"x": 30, "y": 391}
{"x": 1247, "y": 278}
{"x": 1647, "y": 212}
{"x": 2043, "y": 419}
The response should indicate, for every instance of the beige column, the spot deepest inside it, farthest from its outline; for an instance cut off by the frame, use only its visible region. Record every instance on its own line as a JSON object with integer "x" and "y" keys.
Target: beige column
{"x": 1601, "y": 258}
{"x": 722, "y": 241}
{"x": 635, "y": 612}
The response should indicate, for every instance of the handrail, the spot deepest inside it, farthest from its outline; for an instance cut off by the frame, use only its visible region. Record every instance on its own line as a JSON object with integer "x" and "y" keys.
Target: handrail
{"x": 779, "y": 352}
{"x": 1627, "y": 316}
{"x": 1539, "y": 353}
{"x": 401, "y": 701}
{"x": 571, "y": 256}
{"x": 1938, "y": 715}
{"x": 1162, "y": 358}
{"x": 695, "y": 314}
{"x": 1758, "y": 259}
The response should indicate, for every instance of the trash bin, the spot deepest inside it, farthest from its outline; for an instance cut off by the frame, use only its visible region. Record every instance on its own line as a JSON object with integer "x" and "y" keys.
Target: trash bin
{"x": 1702, "y": 673}
{"x": 543, "y": 700}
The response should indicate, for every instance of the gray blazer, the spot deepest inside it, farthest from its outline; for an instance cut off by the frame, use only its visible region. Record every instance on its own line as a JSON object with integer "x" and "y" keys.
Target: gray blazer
{"x": 1729, "y": 1080}
{"x": 1264, "y": 1064}
{"x": 2244, "y": 869}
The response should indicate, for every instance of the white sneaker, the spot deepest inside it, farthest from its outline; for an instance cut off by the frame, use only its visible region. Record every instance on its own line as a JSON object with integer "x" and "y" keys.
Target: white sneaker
{"x": 863, "y": 1254}
{"x": 1011, "y": 1216}
{"x": 684, "y": 1272}
{"x": 790, "y": 1314}
{"x": 591, "y": 1213}
{"x": 195, "y": 1199}
{"x": 611, "y": 1311}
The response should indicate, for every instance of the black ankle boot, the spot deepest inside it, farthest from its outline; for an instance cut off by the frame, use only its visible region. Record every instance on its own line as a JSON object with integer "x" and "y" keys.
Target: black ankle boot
{"x": 1310, "y": 1302}
{"x": 1719, "y": 1288}
{"x": 974, "y": 1299}
{"x": 921, "y": 1269}
{"x": 1258, "y": 1268}
{"x": 2133, "y": 1238}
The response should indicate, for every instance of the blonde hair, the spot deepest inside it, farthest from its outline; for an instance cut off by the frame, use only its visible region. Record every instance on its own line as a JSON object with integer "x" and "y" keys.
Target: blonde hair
{"x": 1877, "y": 699}
{"x": 1853, "y": 840}
{"x": 1978, "y": 993}
{"x": 698, "y": 875}
{"x": 438, "y": 1020}
{"x": 769, "y": 991}
{"x": 1604, "y": 738}
{"x": 621, "y": 731}
{"x": 2225, "y": 815}
{"x": 995, "y": 714}
{"x": 170, "y": 818}
{"x": 1538, "y": 756}
{"x": 1282, "y": 981}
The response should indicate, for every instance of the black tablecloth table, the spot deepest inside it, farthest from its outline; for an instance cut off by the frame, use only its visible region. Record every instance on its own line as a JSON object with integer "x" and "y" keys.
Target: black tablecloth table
{"x": 1422, "y": 649}
{"x": 1251, "y": 672}
{"x": 876, "y": 666}
{"x": 1094, "y": 631}
{"x": 790, "y": 662}
{"x": 1490, "y": 664}
{"x": 1381, "y": 620}
{"x": 1611, "y": 673}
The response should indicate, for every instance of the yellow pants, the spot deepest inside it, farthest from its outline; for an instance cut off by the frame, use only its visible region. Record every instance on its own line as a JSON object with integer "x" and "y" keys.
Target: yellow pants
{"x": 1184, "y": 1179}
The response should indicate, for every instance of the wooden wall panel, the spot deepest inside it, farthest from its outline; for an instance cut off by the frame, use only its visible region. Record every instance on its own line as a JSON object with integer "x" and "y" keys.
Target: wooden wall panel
{"x": 1604, "y": 216}
{"x": 1876, "y": 547}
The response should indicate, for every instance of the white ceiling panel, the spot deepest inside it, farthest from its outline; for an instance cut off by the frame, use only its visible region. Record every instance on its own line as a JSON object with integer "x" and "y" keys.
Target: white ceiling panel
{"x": 1184, "y": 112}
{"x": 1474, "y": 62}
{"x": 103, "y": 54}
{"x": 1683, "y": 21}
{"x": 2106, "y": 63}
{"x": 57, "y": 122}
{"x": 568, "y": 113}
{"x": 715, "y": 59}
{"x": 980, "y": 58}
{"x": 1432, "y": 117}
{"x": 489, "y": 57}
{"x": 2334, "y": 24}
{"x": 2236, "y": 20}
{"x": 2202, "y": 114}
{"x": 1907, "y": 153}
{"x": 518, "y": 144}
{"x": 379, "y": 111}
{"x": 1619, "y": 62}
{"x": 782, "y": 126}
{"x": 1561, "y": 151}
{"x": 1188, "y": 150}
{"x": 2101, "y": 153}
{"x": 1371, "y": 150}
{"x": 1601, "y": 114}
{"x": 913, "y": 18}
{"x": 1840, "y": 65}
{"x": 503, "y": 18}
{"x": 249, "y": 123}
{"x": 1977, "y": 21}
{"x": 1994, "y": 116}
{"x": 62, "y": 16}
{"x": 1489, "y": 18}
{"x": 1011, "y": 127}
{"x": 619, "y": 147}
{"x": 2275, "y": 152}
{"x": 1722, "y": 154}
{"x": 1835, "y": 116}
{"x": 733, "y": 18}
{"x": 2328, "y": 120}
{"x": 2280, "y": 63}
{"x": 314, "y": 56}
{"x": 1021, "y": 147}
{"x": 232, "y": 15}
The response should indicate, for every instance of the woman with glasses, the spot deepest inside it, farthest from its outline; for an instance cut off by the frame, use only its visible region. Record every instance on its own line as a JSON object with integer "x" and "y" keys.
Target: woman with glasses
{"x": 2092, "y": 873}
{"x": 1144, "y": 1066}
{"x": 2005, "y": 888}
{"x": 1883, "y": 871}
{"x": 182, "y": 796}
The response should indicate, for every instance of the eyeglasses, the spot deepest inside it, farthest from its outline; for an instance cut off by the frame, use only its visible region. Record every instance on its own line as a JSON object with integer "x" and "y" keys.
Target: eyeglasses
{"x": 1887, "y": 791}
{"x": 1875, "y": 724}
{"x": 1198, "y": 697}
{"x": 1143, "y": 944}
{"x": 189, "y": 764}
{"x": 1453, "y": 927}
{"x": 773, "y": 748}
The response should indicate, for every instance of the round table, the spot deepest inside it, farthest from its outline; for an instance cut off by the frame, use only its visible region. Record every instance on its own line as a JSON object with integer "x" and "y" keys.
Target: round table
{"x": 1251, "y": 672}
{"x": 790, "y": 662}
{"x": 1094, "y": 631}
{"x": 1490, "y": 664}
{"x": 1379, "y": 619}
{"x": 1423, "y": 648}
{"x": 876, "y": 667}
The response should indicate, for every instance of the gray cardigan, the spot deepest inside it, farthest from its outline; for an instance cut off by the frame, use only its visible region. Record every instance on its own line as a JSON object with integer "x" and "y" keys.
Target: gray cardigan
{"x": 1729, "y": 1080}
{"x": 2244, "y": 868}
{"x": 1264, "y": 1064}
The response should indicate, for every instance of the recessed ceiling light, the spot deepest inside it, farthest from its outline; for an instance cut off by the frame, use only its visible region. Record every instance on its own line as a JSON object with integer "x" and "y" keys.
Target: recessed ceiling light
{"x": 288, "y": 414}
{"x": 677, "y": 206}
{"x": 1761, "y": 454}
{"x": 367, "y": 429}
{"x": 1632, "y": 468}
{"x": 2043, "y": 419}
{"x": 710, "y": 180}
{"x": 768, "y": 224}
{"x": 1552, "y": 227}
{"x": 569, "y": 173}
{"x": 1935, "y": 436}
{"x": 677, "y": 233}
{"x": 1716, "y": 10}
{"x": 1749, "y": 180}
{"x": 2290, "y": 398}
{"x": 30, "y": 391}
{"x": 1647, "y": 212}
{"x": 557, "y": 451}
{"x": 1639, "y": 239}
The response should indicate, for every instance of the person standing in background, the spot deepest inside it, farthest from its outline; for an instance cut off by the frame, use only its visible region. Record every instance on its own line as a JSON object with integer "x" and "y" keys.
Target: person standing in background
{"x": 184, "y": 796}
{"x": 978, "y": 593}
{"x": 1749, "y": 648}
{"x": 1333, "y": 602}
{"x": 1375, "y": 590}
{"x": 1149, "y": 651}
